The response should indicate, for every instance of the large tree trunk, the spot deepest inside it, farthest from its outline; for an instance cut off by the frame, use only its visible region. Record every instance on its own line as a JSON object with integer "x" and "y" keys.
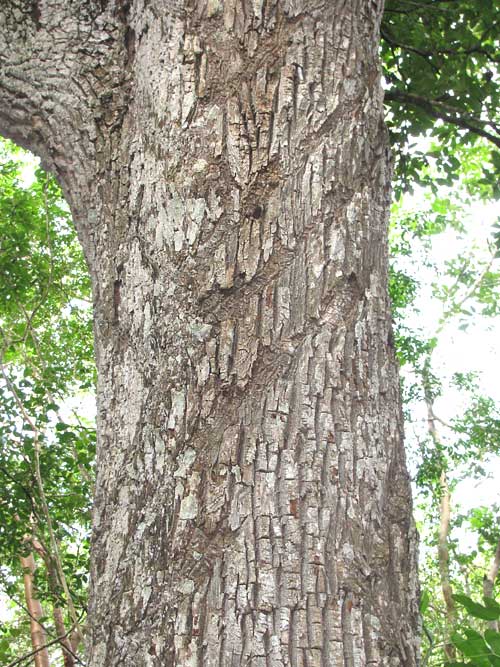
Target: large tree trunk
{"x": 226, "y": 162}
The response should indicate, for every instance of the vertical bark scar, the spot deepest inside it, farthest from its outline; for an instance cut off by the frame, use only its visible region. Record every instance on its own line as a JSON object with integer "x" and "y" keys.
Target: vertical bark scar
{"x": 116, "y": 300}
{"x": 117, "y": 285}
{"x": 36, "y": 14}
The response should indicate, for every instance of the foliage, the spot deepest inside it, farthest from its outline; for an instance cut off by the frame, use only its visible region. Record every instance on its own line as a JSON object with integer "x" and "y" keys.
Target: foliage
{"x": 480, "y": 649}
{"x": 46, "y": 449}
{"x": 440, "y": 60}
{"x": 460, "y": 291}
{"x": 440, "y": 64}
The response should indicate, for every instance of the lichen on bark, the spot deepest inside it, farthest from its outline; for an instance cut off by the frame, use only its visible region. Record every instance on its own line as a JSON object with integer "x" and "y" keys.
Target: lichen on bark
{"x": 227, "y": 166}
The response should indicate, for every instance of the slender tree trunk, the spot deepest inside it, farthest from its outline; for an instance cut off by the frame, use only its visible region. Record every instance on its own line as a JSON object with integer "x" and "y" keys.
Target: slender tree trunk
{"x": 443, "y": 551}
{"x": 444, "y": 561}
{"x": 57, "y": 612}
{"x": 227, "y": 166}
{"x": 444, "y": 520}
{"x": 490, "y": 579}
{"x": 66, "y": 647}
{"x": 38, "y": 636}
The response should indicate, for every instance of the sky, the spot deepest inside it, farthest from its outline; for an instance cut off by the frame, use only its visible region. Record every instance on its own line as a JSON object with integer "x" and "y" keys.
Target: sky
{"x": 475, "y": 349}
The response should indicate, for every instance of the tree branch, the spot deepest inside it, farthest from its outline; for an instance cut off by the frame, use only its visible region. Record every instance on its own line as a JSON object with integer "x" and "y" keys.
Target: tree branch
{"x": 442, "y": 111}
{"x": 427, "y": 53}
{"x": 28, "y": 656}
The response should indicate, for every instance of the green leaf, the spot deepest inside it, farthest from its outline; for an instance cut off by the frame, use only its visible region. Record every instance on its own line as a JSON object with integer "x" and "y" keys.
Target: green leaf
{"x": 425, "y": 598}
{"x": 492, "y": 604}
{"x": 493, "y": 639}
{"x": 474, "y": 646}
{"x": 478, "y": 610}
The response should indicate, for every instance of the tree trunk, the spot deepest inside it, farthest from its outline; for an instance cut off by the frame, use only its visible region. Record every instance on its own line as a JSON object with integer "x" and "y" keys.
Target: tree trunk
{"x": 34, "y": 607}
{"x": 489, "y": 582}
{"x": 443, "y": 551}
{"x": 227, "y": 166}
{"x": 57, "y": 612}
{"x": 444, "y": 563}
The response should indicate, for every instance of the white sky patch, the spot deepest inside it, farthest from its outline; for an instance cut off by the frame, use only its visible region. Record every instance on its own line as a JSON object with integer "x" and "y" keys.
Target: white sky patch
{"x": 476, "y": 349}
{"x": 30, "y": 164}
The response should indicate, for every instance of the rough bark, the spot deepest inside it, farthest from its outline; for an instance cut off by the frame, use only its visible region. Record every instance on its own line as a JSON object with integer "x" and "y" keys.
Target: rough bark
{"x": 226, "y": 162}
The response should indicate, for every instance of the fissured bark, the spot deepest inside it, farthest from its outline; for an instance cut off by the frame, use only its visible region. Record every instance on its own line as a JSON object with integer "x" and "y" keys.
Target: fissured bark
{"x": 227, "y": 166}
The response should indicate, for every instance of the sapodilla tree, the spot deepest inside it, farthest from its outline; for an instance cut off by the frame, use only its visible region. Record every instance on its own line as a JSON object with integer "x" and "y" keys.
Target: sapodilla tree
{"x": 227, "y": 167}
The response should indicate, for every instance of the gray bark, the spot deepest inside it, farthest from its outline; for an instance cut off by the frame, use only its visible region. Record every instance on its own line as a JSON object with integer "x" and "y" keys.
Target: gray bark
{"x": 227, "y": 166}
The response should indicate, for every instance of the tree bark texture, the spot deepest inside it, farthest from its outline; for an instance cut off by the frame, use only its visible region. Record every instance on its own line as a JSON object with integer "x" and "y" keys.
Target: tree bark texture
{"x": 226, "y": 162}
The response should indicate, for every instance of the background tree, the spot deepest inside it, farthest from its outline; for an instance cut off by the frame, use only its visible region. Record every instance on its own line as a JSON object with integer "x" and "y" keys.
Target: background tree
{"x": 450, "y": 447}
{"x": 441, "y": 73}
{"x": 46, "y": 457}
